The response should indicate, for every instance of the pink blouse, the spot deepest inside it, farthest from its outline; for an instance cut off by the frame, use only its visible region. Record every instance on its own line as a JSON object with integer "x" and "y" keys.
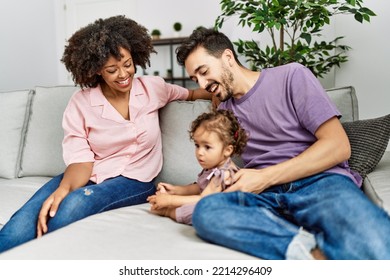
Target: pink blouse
{"x": 94, "y": 131}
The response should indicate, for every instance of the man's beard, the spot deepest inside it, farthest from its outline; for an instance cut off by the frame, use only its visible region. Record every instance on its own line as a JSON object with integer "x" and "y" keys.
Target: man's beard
{"x": 227, "y": 81}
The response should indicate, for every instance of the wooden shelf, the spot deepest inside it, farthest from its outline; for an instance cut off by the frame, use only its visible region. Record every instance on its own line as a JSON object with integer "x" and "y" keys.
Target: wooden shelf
{"x": 168, "y": 41}
{"x": 177, "y": 78}
{"x": 171, "y": 42}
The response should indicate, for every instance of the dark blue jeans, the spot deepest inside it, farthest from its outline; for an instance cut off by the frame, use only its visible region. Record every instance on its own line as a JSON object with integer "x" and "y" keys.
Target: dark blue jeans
{"x": 287, "y": 221}
{"x": 89, "y": 200}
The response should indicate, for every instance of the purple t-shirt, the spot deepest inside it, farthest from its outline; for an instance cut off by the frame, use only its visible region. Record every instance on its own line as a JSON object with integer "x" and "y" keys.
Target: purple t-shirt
{"x": 282, "y": 112}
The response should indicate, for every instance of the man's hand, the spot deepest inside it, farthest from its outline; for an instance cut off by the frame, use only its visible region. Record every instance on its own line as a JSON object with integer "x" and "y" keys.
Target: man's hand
{"x": 249, "y": 180}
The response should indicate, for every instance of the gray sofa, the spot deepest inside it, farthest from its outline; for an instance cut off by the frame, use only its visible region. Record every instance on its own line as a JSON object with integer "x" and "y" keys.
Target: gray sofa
{"x": 30, "y": 147}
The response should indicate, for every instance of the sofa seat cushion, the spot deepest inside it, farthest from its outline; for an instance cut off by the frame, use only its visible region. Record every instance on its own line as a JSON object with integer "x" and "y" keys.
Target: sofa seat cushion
{"x": 377, "y": 183}
{"x": 129, "y": 233}
{"x": 15, "y": 192}
{"x": 13, "y": 117}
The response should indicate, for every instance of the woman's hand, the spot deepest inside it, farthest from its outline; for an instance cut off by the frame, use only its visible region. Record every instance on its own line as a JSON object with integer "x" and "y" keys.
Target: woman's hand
{"x": 76, "y": 175}
{"x": 49, "y": 209}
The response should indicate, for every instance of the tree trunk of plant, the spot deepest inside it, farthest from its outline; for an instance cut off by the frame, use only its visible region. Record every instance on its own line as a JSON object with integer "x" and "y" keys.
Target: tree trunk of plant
{"x": 281, "y": 39}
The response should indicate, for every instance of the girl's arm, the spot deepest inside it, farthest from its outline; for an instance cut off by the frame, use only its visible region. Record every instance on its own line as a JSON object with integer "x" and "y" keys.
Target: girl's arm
{"x": 214, "y": 186}
{"x": 165, "y": 200}
{"x": 168, "y": 195}
{"x": 192, "y": 189}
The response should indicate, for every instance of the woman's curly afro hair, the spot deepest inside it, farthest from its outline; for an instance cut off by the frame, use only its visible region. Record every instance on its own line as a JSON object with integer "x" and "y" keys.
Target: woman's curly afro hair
{"x": 91, "y": 46}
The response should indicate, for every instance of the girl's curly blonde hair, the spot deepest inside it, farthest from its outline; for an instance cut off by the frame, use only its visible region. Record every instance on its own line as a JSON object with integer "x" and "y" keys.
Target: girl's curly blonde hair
{"x": 225, "y": 124}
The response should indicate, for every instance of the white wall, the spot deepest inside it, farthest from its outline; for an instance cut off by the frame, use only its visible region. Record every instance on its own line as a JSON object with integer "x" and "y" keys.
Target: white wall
{"x": 28, "y": 44}
{"x": 32, "y": 44}
{"x": 368, "y": 68}
{"x": 164, "y": 14}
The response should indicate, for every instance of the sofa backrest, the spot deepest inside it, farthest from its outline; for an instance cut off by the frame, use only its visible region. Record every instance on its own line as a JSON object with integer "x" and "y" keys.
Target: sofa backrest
{"x": 31, "y": 126}
{"x": 13, "y": 123}
{"x": 180, "y": 165}
{"x": 42, "y": 149}
{"x": 346, "y": 101}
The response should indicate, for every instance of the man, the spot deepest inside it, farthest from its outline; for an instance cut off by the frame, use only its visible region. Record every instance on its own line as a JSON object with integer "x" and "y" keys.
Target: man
{"x": 296, "y": 197}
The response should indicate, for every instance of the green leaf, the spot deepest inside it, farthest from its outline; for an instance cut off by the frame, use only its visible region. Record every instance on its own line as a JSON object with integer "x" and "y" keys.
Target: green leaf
{"x": 302, "y": 22}
{"x": 359, "y": 17}
{"x": 306, "y": 37}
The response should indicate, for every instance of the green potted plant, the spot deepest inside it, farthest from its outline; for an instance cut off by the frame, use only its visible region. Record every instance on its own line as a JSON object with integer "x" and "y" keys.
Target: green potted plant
{"x": 169, "y": 73}
{"x": 156, "y": 34}
{"x": 292, "y": 26}
{"x": 177, "y": 28}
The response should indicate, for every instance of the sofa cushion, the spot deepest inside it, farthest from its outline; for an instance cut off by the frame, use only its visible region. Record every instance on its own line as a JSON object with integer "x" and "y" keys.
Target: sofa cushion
{"x": 15, "y": 192}
{"x": 376, "y": 185}
{"x": 180, "y": 166}
{"x": 42, "y": 154}
{"x": 127, "y": 233}
{"x": 178, "y": 149}
{"x": 346, "y": 102}
{"x": 368, "y": 139}
{"x": 13, "y": 117}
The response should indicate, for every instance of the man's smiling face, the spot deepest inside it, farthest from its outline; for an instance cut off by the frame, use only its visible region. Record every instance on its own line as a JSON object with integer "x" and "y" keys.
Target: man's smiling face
{"x": 211, "y": 73}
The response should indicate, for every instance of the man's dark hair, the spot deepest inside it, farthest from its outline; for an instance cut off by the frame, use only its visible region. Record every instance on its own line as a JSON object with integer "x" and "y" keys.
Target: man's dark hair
{"x": 214, "y": 42}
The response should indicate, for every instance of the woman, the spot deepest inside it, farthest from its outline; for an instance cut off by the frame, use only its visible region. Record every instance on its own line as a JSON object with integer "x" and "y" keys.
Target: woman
{"x": 112, "y": 140}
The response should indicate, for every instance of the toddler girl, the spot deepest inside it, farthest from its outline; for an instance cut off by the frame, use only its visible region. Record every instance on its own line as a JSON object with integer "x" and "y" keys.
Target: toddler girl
{"x": 217, "y": 136}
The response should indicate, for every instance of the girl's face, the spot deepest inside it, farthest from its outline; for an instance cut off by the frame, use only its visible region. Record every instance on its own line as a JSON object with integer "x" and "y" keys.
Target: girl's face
{"x": 118, "y": 74}
{"x": 209, "y": 149}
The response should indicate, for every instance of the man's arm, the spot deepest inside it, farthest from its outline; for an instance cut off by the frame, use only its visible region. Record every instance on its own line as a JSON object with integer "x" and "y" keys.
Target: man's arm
{"x": 331, "y": 148}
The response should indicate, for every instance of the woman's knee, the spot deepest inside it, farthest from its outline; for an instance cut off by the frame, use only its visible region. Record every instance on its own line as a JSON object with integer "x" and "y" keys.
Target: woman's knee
{"x": 71, "y": 209}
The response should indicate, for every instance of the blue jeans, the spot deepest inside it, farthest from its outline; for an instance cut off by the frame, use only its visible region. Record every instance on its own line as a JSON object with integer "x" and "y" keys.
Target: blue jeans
{"x": 327, "y": 211}
{"x": 89, "y": 200}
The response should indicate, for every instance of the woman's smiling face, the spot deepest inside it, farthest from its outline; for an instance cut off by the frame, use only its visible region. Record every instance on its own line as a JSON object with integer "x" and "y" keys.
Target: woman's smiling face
{"x": 118, "y": 74}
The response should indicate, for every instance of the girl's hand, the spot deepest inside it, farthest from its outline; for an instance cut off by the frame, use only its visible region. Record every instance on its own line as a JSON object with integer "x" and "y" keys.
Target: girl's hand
{"x": 49, "y": 209}
{"x": 166, "y": 188}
